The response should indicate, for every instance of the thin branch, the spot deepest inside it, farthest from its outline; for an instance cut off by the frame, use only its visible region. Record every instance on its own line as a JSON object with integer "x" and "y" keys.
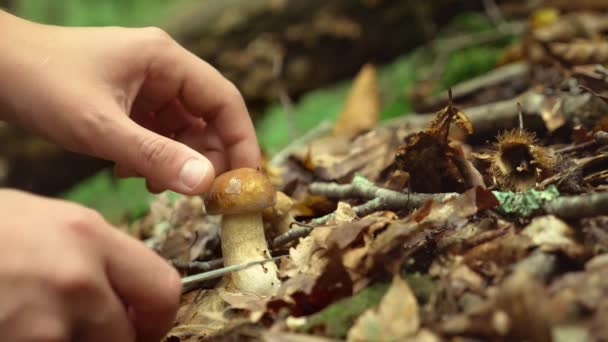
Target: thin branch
{"x": 291, "y": 235}
{"x": 197, "y": 266}
{"x": 600, "y": 138}
{"x": 361, "y": 188}
{"x": 580, "y": 206}
{"x": 190, "y": 281}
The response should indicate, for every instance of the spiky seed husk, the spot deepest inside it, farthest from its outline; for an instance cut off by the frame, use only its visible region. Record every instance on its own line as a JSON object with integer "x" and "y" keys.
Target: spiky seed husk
{"x": 518, "y": 163}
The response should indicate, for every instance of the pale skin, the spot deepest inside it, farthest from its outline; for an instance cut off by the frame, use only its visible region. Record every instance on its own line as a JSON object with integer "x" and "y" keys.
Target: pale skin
{"x": 139, "y": 99}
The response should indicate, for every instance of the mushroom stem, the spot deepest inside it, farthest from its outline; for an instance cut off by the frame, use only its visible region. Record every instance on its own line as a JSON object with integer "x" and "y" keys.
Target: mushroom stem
{"x": 243, "y": 241}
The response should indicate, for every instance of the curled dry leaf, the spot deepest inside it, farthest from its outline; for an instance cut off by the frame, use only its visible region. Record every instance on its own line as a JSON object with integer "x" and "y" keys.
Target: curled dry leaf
{"x": 428, "y": 157}
{"x": 395, "y": 319}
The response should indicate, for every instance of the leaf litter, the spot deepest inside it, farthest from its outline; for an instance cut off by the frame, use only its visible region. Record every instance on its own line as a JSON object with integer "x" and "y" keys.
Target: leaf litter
{"x": 454, "y": 225}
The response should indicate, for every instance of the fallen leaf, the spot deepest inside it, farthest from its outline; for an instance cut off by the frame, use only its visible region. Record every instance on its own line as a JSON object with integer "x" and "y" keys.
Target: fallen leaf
{"x": 552, "y": 234}
{"x": 395, "y": 318}
{"x": 277, "y": 336}
{"x": 581, "y": 52}
{"x": 362, "y": 107}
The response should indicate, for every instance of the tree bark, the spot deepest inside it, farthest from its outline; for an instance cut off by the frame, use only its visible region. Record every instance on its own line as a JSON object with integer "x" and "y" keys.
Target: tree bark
{"x": 314, "y": 42}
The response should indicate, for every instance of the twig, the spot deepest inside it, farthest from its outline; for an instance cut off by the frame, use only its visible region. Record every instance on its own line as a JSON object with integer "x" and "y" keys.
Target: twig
{"x": 197, "y": 266}
{"x": 571, "y": 207}
{"x": 599, "y": 138}
{"x": 577, "y": 207}
{"x": 380, "y": 198}
{"x": 573, "y": 148}
{"x": 189, "y": 281}
{"x": 291, "y": 235}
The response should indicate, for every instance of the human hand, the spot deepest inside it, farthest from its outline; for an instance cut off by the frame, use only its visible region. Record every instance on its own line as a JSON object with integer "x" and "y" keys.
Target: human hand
{"x": 132, "y": 96}
{"x": 66, "y": 275}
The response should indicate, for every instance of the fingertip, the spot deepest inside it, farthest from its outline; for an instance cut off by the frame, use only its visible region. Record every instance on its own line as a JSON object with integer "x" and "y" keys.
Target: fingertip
{"x": 196, "y": 175}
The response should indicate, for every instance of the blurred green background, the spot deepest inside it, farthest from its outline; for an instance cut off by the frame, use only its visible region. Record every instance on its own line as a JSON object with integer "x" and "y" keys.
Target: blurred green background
{"x": 125, "y": 200}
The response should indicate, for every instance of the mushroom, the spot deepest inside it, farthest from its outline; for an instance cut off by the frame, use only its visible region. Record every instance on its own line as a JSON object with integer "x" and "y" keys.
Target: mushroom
{"x": 280, "y": 216}
{"x": 240, "y": 196}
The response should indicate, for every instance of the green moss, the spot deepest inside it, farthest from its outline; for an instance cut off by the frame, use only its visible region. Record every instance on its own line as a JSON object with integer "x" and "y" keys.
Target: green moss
{"x": 526, "y": 203}
{"x": 336, "y": 319}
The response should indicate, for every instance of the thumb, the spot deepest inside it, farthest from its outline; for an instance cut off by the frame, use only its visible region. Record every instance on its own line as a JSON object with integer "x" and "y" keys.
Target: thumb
{"x": 164, "y": 162}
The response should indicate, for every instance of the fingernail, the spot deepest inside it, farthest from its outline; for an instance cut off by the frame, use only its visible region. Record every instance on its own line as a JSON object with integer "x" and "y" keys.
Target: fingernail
{"x": 192, "y": 173}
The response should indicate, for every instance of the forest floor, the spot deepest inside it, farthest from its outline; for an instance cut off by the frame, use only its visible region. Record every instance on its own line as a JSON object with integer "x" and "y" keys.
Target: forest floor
{"x": 483, "y": 219}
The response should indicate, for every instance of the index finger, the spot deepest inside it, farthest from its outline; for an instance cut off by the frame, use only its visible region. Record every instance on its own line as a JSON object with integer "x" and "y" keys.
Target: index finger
{"x": 143, "y": 280}
{"x": 205, "y": 92}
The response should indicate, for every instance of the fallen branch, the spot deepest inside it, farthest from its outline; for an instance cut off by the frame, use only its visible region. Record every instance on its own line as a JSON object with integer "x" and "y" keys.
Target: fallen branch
{"x": 486, "y": 119}
{"x": 497, "y": 76}
{"x": 580, "y": 206}
{"x": 362, "y": 188}
{"x": 566, "y": 207}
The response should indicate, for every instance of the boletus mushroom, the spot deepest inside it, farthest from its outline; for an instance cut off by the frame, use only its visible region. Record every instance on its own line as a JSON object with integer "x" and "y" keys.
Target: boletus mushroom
{"x": 240, "y": 196}
{"x": 279, "y": 216}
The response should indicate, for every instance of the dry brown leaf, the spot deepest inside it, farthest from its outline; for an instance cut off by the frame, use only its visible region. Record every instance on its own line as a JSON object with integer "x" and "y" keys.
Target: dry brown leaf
{"x": 367, "y": 154}
{"x": 581, "y": 52}
{"x": 428, "y": 157}
{"x": 362, "y": 107}
{"x": 525, "y": 300}
{"x": 277, "y": 336}
{"x": 491, "y": 257}
{"x": 204, "y": 314}
{"x": 343, "y": 214}
{"x": 551, "y": 234}
{"x": 569, "y": 27}
{"x": 395, "y": 318}
{"x": 403, "y": 237}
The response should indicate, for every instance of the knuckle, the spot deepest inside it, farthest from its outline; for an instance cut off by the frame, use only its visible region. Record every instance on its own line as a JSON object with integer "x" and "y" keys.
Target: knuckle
{"x": 83, "y": 221}
{"x": 50, "y": 329}
{"x": 93, "y": 123}
{"x": 154, "y": 152}
{"x": 156, "y": 35}
{"x": 74, "y": 280}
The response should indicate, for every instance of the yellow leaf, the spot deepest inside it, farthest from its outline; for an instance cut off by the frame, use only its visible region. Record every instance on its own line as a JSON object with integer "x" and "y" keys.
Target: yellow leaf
{"x": 362, "y": 107}
{"x": 544, "y": 17}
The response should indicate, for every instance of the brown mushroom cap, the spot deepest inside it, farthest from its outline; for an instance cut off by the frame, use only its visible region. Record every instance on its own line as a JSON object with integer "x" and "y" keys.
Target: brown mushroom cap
{"x": 240, "y": 191}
